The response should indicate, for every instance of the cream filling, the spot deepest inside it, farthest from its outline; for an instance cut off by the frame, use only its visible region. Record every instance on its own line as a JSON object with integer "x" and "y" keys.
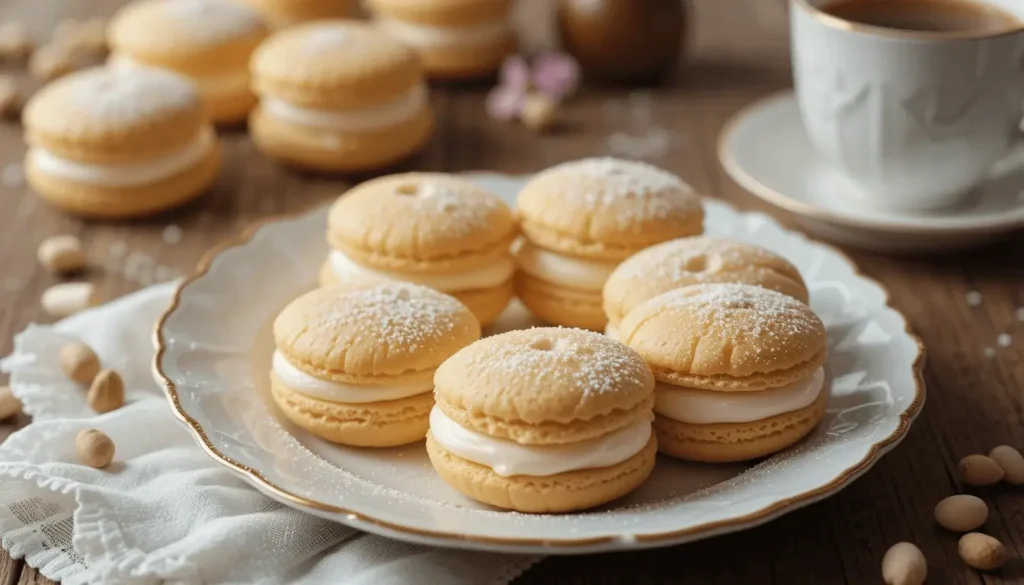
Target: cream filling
{"x": 229, "y": 83}
{"x": 130, "y": 174}
{"x": 308, "y": 385}
{"x": 611, "y": 331}
{"x": 399, "y": 110}
{"x": 703, "y": 407}
{"x": 494, "y": 274}
{"x": 509, "y": 458}
{"x": 563, "y": 270}
{"x": 421, "y": 35}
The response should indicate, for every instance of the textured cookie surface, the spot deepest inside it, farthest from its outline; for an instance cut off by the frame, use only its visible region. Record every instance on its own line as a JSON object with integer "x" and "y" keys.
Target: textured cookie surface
{"x": 545, "y": 386}
{"x": 377, "y": 332}
{"x": 451, "y": 13}
{"x": 334, "y": 64}
{"x": 564, "y": 492}
{"x": 192, "y": 35}
{"x": 726, "y": 337}
{"x": 421, "y": 221}
{"x": 607, "y": 208}
{"x": 104, "y": 115}
{"x": 727, "y": 442}
{"x": 281, "y": 13}
{"x": 678, "y": 263}
{"x": 371, "y": 424}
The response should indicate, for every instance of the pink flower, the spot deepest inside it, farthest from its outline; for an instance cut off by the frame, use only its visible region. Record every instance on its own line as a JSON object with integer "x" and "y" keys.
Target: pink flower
{"x": 553, "y": 74}
{"x": 556, "y": 75}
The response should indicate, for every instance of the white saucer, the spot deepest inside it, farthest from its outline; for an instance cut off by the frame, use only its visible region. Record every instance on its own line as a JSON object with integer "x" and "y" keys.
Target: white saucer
{"x": 764, "y": 149}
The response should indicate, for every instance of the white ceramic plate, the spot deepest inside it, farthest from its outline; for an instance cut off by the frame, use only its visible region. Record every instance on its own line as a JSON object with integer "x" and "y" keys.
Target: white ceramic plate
{"x": 764, "y": 148}
{"x": 214, "y": 346}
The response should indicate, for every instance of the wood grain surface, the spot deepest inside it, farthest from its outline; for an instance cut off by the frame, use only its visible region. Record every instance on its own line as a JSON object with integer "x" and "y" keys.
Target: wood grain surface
{"x": 738, "y": 52}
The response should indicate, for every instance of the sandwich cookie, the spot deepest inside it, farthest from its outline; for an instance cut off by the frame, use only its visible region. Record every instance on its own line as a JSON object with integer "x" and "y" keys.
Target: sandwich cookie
{"x": 705, "y": 259}
{"x": 207, "y": 41}
{"x": 740, "y": 369}
{"x": 113, "y": 144}
{"x": 453, "y": 38}
{"x": 543, "y": 420}
{"x": 433, "y": 229}
{"x": 581, "y": 219}
{"x": 355, "y": 364}
{"x": 339, "y": 95}
{"x": 282, "y": 13}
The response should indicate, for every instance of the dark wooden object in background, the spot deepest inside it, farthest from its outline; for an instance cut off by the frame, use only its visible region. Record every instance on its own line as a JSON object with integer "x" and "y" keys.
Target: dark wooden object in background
{"x": 738, "y": 52}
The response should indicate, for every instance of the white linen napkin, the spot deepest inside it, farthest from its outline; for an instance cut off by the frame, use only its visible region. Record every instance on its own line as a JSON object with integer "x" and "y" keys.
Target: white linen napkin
{"x": 164, "y": 512}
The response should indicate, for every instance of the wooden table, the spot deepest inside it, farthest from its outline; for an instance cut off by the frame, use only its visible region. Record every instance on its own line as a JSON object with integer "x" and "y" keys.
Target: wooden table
{"x": 739, "y": 52}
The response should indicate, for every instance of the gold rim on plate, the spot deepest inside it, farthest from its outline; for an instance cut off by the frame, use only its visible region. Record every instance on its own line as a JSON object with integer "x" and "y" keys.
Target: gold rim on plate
{"x": 900, "y": 33}
{"x": 761, "y": 515}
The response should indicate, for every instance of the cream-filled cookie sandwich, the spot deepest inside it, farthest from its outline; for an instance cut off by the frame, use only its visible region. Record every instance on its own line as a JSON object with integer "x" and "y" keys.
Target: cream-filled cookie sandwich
{"x": 355, "y": 364}
{"x": 453, "y": 38}
{"x": 115, "y": 144}
{"x": 338, "y": 95}
{"x": 433, "y": 229}
{"x": 207, "y": 41}
{"x": 581, "y": 219}
{"x": 696, "y": 260}
{"x": 543, "y": 420}
{"x": 740, "y": 369}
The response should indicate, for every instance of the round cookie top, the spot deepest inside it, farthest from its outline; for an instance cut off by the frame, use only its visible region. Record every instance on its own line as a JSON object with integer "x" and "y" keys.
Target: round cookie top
{"x": 426, "y": 221}
{"x": 728, "y": 337}
{"x": 607, "y": 208}
{"x": 186, "y": 35}
{"x": 338, "y": 64}
{"x": 446, "y": 13}
{"x": 705, "y": 259}
{"x": 106, "y": 115}
{"x": 373, "y": 333}
{"x": 545, "y": 385}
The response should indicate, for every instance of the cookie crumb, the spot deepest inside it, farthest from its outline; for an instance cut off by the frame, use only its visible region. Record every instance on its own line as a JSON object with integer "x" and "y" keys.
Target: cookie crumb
{"x": 1004, "y": 340}
{"x": 172, "y": 235}
{"x": 990, "y": 352}
{"x": 973, "y": 298}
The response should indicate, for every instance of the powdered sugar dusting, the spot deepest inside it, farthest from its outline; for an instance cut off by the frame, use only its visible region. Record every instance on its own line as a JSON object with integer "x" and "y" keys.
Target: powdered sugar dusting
{"x": 330, "y": 38}
{"x": 693, "y": 259}
{"x": 212, "y": 22}
{"x": 740, "y": 312}
{"x": 131, "y": 95}
{"x": 636, "y": 191}
{"x": 467, "y": 209}
{"x": 551, "y": 356}
{"x": 394, "y": 315}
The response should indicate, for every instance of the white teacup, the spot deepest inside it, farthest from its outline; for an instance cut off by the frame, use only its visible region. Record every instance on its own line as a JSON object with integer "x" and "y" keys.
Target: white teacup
{"x": 914, "y": 119}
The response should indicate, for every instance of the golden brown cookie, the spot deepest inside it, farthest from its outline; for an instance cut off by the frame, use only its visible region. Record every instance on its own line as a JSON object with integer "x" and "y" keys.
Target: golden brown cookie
{"x": 340, "y": 96}
{"x": 453, "y": 38}
{"x": 543, "y": 420}
{"x": 208, "y": 41}
{"x": 581, "y": 219}
{"x": 115, "y": 144}
{"x": 433, "y": 229}
{"x": 695, "y": 260}
{"x": 740, "y": 369}
{"x": 354, "y": 364}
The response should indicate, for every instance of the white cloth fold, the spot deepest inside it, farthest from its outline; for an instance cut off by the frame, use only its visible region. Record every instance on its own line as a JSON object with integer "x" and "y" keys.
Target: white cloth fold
{"x": 164, "y": 512}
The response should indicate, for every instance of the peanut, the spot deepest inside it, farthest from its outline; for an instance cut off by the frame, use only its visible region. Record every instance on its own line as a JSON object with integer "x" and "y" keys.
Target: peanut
{"x": 961, "y": 513}
{"x": 79, "y": 362}
{"x": 61, "y": 254}
{"x": 9, "y": 403}
{"x": 62, "y": 300}
{"x": 981, "y": 551}
{"x": 979, "y": 470}
{"x": 95, "y": 448}
{"x": 539, "y": 112}
{"x": 904, "y": 564}
{"x": 15, "y": 41}
{"x": 106, "y": 393}
{"x": 1012, "y": 463}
